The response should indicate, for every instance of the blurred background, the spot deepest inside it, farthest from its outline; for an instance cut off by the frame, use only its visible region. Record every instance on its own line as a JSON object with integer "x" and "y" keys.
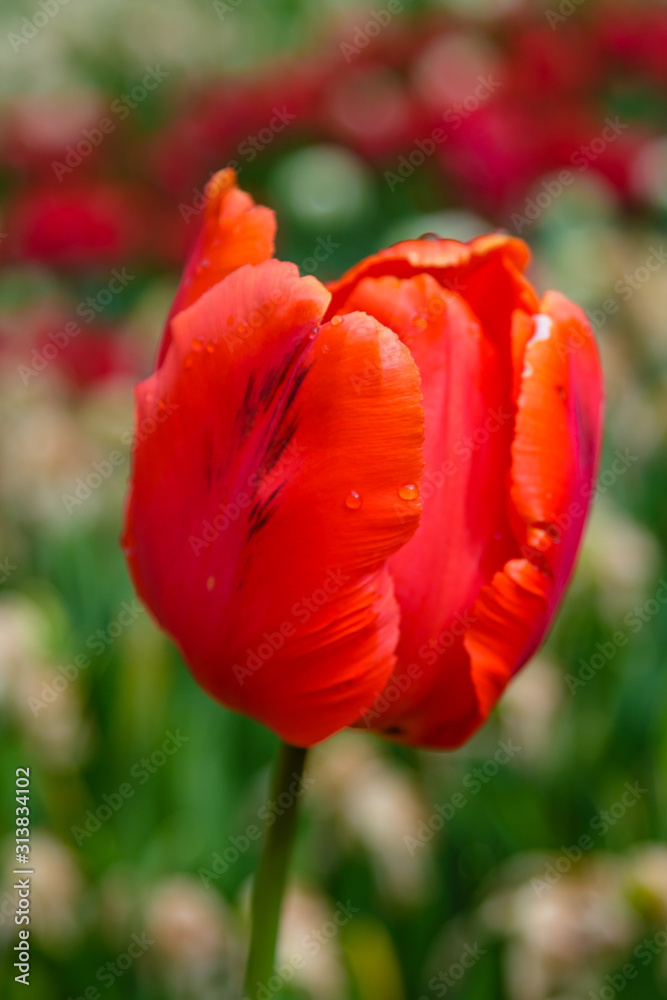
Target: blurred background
{"x": 531, "y": 864}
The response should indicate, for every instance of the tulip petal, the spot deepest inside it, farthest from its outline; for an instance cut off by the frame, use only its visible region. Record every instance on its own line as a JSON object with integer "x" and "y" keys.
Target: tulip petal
{"x": 234, "y": 231}
{"x": 264, "y": 553}
{"x": 471, "y": 269}
{"x": 555, "y": 455}
{"x": 529, "y": 496}
{"x": 468, "y": 431}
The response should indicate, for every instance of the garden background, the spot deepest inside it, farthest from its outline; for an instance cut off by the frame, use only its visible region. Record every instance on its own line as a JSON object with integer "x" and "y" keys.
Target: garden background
{"x": 529, "y": 865}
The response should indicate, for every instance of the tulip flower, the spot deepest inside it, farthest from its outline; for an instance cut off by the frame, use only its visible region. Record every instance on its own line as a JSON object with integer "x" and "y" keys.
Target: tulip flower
{"x": 361, "y": 504}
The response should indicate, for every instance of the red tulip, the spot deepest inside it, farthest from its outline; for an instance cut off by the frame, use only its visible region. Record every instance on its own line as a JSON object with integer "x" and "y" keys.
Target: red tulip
{"x": 362, "y": 504}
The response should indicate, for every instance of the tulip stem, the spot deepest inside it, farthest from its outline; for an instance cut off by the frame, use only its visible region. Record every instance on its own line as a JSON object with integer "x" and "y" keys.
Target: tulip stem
{"x": 271, "y": 876}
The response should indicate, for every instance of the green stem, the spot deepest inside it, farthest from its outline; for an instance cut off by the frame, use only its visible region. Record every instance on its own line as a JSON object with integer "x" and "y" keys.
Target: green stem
{"x": 271, "y": 874}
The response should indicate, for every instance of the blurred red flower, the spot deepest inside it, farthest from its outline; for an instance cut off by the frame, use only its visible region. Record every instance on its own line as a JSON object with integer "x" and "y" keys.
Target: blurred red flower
{"x": 77, "y": 225}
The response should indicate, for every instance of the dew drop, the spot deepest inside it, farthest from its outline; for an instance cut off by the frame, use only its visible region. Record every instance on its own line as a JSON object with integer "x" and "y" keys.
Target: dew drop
{"x": 205, "y": 262}
{"x": 188, "y": 362}
{"x": 408, "y": 492}
{"x": 430, "y": 237}
{"x": 210, "y": 583}
{"x": 353, "y": 500}
{"x": 420, "y": 323}
{"x": 325, "y": 348}
{"x": 336, "y": 320}
{"x": 197, "y": 344}
{"x": 210, "y": 347}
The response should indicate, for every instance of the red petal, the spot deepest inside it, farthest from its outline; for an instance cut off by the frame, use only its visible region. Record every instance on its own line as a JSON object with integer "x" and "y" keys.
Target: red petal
{"x": 555, "y": 456}
{"x": 495, "y": 575}
{"x": 234, "y": 231}
{"x": 455, "y": 265}
{"x": 558, "y": 433}
{"x": 468, "y": 428}
{"x": 273, "y": 429}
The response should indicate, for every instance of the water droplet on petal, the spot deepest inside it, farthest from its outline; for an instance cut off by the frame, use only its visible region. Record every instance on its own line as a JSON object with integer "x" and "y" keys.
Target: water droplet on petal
{"x": 420, "y": 323}
{"x": 353, "y": 500}
{"x": 430, "y": 237}
{"x": 210, "y": 583}
{"x": 205, "y": 262}
{"x": 188, "y": 362}
{"x": 197, "y": 344}
{"x": 336, "y": 320}
{"x": 210, "y": 347}
{"x": 326, "y": 348}
{"x": 408, "y": 492}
